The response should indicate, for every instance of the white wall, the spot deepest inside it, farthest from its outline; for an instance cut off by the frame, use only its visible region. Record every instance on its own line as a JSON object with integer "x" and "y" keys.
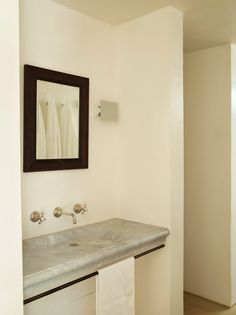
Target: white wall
{"x": 10, "y": 207}
{"x": 58, "y": 38}
{"x": 233, "y": 174}
{"x": 136, "y": 165}
{"x": 150, "y": 149}
{"x": 207, "y": 79}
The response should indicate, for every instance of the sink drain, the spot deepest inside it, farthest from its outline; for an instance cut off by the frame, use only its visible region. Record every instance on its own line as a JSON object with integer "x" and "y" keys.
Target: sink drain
{"x": 74, "y": 244}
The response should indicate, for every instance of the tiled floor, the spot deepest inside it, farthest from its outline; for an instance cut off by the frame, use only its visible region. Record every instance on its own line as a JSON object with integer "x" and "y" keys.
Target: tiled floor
{"x": 194, "y": 305}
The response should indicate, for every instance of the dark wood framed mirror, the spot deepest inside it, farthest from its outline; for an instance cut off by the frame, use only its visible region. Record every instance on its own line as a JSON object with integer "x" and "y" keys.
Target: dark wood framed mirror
{"x": 56, "y": 109}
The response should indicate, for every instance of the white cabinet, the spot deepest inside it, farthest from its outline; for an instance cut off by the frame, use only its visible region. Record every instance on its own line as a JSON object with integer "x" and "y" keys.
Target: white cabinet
{"x": 78, "y": 299}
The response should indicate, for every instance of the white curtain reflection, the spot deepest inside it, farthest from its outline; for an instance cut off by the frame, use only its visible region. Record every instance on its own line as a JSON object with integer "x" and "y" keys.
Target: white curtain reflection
{"x": 53, "y": 135}
{"x": 57, "y": 129}
{"x": 57, "y": 121}
{"x": 40, "y": 136}
{"x": 68, "y": 118}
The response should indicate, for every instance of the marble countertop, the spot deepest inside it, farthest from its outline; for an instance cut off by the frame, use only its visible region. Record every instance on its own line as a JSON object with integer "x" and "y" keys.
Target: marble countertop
{"x": 54, "y": 259}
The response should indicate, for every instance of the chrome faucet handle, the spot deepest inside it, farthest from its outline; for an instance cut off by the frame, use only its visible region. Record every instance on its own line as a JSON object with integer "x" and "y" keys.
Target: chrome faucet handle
{"x": 78, "y": 208}
{"x": 37, "y": 216}
{"x": 42, "y": 218}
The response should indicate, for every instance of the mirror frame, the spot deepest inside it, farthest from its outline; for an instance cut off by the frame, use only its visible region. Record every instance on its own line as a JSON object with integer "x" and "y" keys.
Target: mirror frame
{"x": 30, "y": 163}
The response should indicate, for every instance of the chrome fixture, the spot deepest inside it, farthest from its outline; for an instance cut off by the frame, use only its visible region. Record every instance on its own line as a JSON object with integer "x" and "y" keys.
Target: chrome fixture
{"x": 37, "y": 216}
{"x": 59, "y": 212}
{"x": 78, "y": 208}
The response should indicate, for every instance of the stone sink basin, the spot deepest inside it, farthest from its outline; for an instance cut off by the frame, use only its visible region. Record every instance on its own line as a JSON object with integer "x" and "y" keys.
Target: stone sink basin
{"x": 54, "y": 259}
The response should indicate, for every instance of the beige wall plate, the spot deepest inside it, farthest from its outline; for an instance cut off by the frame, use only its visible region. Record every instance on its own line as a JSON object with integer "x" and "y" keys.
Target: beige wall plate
{"x": 108, "y": 111}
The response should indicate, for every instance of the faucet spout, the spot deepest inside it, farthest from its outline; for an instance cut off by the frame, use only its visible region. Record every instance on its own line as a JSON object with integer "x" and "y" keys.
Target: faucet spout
{"x": 75, "y": 221}
{"x": 59, "y": 212}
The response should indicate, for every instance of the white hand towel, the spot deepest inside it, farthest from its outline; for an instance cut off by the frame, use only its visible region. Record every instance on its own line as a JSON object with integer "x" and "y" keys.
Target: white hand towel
{"x": 69, "y": 133}
{"x": 53, "y": 136}
{"x": 40, "y": 135}
{"x": 115, "y": 289}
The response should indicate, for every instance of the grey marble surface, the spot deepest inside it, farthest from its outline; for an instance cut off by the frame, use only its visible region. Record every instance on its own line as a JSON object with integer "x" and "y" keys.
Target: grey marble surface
{"x": 54, "y": 259}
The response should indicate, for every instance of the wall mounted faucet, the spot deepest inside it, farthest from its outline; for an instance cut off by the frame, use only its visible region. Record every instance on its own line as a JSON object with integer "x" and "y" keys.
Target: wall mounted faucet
{"x": 78, "y": 208}
{"x": 59, "y": 212}
{"x": 37, "y": 216}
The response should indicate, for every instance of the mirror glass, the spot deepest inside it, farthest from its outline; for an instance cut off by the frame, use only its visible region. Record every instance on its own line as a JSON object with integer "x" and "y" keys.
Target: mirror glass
{"x": 57, "y": 121}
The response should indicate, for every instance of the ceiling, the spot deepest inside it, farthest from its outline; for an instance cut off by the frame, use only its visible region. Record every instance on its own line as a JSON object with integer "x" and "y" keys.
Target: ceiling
{"x": 207, "y": 23}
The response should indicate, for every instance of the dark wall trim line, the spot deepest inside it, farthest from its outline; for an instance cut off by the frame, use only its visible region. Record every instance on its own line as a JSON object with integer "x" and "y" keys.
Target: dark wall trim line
{"x": 149, "y": 251}
{"x": 68, "y": 284}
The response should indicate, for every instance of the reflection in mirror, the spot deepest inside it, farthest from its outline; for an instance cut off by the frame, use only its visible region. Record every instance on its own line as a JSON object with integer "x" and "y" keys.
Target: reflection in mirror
{"x": 57, "y": 123}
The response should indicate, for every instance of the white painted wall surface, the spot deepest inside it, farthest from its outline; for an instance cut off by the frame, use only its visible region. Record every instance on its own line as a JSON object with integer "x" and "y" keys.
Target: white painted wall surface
{"x": 233, "y": 174}
{"x": 150, "y": 150}
{"x": 10, "y": 207}
{"x": 78, "y": 299}
{"x": 58, "y": 38}
{"x": 208, "y": 173}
